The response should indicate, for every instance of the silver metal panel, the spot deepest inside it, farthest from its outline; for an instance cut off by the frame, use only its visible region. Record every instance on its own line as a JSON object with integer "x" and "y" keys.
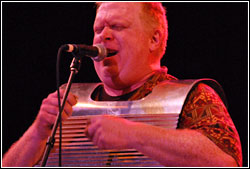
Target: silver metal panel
{"x": 160, "y": 108}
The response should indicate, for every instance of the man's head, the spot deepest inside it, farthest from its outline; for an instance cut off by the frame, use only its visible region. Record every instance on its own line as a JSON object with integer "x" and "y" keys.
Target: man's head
{"x": 135, "y": 34}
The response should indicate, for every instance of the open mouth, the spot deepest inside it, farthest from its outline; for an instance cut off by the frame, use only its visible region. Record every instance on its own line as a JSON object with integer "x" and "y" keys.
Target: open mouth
{"x": 111, "y": 52}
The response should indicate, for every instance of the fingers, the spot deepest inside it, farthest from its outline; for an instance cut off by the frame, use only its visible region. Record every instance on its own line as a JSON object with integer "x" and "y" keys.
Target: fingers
{"x": 53, "y": 100}
{"x": 49, "y": 109}
{"x": 98, "y": 130}
{"x": 92, "y": 125}
{"x": 98, "y": 138}
{"x": 51, "y": 106}
{"x": 94, "y": 131}
{"x": 109, "y": 132}
{"x": 71, "y": 99}
{"x": 53, "y": 110}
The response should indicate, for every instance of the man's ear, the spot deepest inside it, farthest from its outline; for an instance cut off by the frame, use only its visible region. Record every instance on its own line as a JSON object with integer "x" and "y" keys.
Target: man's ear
{"x": 155, "y": 40}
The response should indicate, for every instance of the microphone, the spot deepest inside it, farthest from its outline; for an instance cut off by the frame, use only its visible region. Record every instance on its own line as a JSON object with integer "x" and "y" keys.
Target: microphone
{"x": 97, "y": 52}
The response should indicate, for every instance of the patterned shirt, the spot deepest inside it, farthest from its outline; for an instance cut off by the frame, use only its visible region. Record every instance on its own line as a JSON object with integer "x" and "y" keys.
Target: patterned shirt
{"x": 203, "y": 111}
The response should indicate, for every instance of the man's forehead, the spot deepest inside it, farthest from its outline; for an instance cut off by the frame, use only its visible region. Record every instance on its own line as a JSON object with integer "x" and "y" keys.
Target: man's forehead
{"x": 118, "y": 8}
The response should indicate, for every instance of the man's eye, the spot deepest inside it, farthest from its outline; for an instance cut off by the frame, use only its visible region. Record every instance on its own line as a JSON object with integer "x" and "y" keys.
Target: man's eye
{"x": 117, "y": 27}
{"x": 98, "y": 30}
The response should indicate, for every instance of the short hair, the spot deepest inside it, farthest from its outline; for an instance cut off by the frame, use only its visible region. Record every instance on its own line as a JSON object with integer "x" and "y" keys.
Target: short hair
{"x": 154, "y": 16}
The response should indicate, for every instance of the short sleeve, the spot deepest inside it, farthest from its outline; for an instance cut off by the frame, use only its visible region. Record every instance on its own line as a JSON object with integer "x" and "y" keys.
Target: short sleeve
{"x": 205, "y": 112}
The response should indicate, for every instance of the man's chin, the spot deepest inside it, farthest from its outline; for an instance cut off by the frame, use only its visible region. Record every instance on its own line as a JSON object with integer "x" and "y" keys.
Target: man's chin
{"x": 109, "y": 72}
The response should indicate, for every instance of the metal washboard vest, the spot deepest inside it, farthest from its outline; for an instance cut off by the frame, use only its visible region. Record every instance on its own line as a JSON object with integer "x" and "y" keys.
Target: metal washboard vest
{"x": 161, "y": 108}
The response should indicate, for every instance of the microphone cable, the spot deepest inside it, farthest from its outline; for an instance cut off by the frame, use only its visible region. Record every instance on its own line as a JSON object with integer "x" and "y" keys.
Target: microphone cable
{"x": 59, "y": 103}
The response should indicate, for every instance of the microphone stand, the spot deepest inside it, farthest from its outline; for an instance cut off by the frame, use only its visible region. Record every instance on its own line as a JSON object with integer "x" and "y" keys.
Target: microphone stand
{"x": 74, "y": 68}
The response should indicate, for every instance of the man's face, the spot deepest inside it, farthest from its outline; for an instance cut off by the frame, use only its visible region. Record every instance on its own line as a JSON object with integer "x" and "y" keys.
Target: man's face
{"x": 119, "y": 28}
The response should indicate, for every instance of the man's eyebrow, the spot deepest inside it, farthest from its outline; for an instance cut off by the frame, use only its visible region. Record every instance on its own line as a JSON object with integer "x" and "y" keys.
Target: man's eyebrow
{"x": 114, "y": 18}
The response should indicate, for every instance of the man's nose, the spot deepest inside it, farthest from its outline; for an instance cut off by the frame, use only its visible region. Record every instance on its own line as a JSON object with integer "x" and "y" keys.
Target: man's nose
{"x": 107, "y": 34}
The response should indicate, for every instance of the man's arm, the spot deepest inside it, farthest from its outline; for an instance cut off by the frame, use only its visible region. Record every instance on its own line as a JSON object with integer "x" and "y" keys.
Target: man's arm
{"x": 181, "y": 147}
{"x": 27, "y": 151}
{"x": 170, "y": 147}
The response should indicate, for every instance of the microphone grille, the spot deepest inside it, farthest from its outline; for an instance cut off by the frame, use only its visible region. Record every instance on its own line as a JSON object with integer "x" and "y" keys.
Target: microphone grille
{"x": 102, "y": 53}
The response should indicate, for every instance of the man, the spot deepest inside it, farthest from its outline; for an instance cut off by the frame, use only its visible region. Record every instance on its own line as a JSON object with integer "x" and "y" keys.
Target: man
{"x": 135, "y": 34}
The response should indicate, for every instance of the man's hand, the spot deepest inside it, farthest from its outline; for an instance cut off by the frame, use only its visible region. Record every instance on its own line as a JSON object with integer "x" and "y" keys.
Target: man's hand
{"x": 49, "y": 110}
{"x": 109, "y": 132}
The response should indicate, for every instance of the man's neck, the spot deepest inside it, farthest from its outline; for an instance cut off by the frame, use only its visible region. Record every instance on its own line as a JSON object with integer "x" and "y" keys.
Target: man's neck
{"x": 118, "y": 92}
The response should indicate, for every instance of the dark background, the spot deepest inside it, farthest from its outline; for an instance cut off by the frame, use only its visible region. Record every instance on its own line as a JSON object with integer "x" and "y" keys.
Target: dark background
{"x": 206, "y": 40}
